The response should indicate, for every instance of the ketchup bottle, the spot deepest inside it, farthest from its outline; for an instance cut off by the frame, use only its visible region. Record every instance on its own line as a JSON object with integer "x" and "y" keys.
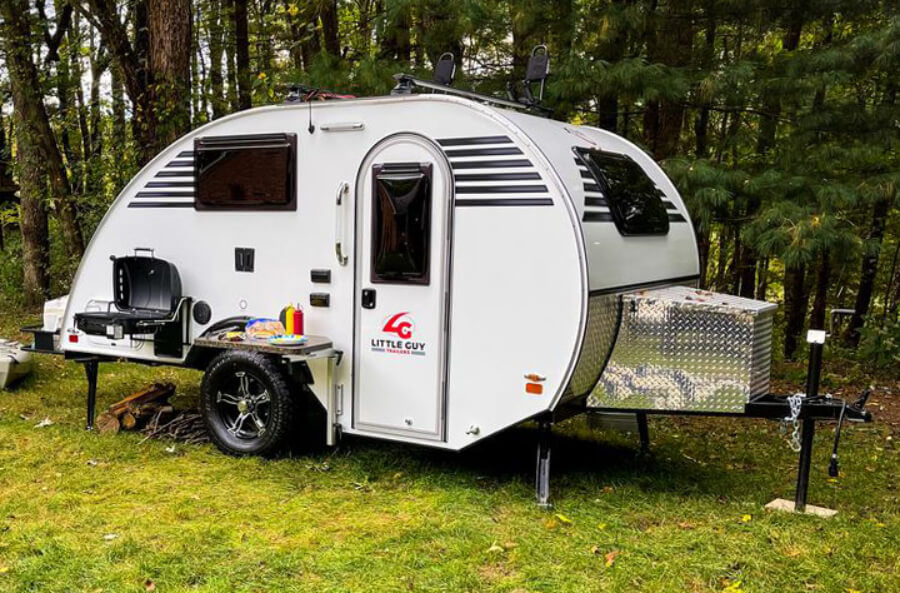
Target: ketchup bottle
{"x": 298, "y": 321}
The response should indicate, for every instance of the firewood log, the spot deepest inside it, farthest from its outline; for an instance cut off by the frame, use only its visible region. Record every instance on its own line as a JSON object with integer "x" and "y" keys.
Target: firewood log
{"x": 157, "y": 391}
{"x": 107, "y": 423}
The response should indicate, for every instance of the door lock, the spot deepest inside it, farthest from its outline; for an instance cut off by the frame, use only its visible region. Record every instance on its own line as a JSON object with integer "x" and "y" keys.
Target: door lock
{"x": 368, "y": 298}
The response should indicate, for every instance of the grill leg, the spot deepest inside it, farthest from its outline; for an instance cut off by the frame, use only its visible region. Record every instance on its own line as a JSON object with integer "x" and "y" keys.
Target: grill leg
{"x": 806, "y": 442}
{"x": 542, "y": 476}
{"x": 90, "y": 369}
{"x": 643, "y": 432}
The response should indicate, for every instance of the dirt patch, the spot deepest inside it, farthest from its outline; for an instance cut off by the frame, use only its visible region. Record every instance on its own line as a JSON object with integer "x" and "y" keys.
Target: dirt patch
{"x": 841, "y": 380}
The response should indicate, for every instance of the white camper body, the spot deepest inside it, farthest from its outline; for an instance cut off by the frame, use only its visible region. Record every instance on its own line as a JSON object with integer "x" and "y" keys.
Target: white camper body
{"x": 516, "y": 309}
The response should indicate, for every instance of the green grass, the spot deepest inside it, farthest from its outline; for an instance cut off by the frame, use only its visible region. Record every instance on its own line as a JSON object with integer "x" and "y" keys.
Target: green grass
{"x": 87, "y": 512}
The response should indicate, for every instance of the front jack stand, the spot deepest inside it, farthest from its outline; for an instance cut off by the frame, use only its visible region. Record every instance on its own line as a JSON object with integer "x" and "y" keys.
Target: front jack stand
{"x": 816, "y": 339}
{"x": 542, "y": 476}
{"x": 806, "y": 442}
{"x": 90, "y": 369}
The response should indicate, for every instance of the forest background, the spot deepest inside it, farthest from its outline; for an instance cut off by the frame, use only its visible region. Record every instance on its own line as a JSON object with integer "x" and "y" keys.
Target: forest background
{"x": 777, "y": 120}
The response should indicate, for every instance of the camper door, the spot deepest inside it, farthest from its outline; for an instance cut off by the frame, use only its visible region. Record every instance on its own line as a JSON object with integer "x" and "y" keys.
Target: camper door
{"x": 402, "y": 293}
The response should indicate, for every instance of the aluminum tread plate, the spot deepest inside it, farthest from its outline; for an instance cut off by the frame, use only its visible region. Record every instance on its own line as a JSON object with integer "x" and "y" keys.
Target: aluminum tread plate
{"x": 685, "y": 349}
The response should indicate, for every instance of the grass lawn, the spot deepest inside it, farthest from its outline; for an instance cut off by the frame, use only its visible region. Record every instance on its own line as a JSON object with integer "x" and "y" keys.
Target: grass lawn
{"x": 87, "y": 512}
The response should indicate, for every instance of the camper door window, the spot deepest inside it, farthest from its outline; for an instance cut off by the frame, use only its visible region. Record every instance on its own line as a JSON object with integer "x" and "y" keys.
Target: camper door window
{"x": 635, "y": 201}
{"x": 401, "y": 223}
{"x": 253, "y": 172}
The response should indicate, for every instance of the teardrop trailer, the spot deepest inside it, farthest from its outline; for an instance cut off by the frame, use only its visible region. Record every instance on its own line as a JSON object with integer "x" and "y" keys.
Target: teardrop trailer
{"x": 464, "y": 265}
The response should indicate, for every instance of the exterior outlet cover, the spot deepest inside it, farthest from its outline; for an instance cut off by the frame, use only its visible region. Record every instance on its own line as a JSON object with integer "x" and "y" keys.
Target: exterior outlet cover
{"x": 244, "y": 259}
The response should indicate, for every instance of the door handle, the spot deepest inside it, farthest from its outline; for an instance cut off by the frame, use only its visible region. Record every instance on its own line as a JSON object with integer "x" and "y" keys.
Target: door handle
{"x": 368, "y": 298}
{"x": 339, "y": 223}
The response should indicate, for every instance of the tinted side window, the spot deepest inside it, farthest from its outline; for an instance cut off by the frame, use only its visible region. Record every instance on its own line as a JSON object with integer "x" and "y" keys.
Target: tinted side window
{"x": 635, "y": 201}
{"x": 401, "y": 223}
{"x": 255, "y": 172}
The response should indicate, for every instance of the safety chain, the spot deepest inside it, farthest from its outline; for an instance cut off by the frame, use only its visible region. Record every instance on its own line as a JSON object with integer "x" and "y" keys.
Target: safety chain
{"x": 796, "y": 403}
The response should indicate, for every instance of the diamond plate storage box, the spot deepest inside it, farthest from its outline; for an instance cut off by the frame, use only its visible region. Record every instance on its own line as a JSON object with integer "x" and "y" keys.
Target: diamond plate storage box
{"x": 680, "y": 348}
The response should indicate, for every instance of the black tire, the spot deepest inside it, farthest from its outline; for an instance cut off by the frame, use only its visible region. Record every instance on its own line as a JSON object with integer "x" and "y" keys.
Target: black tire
{"x": 247, "y": 404}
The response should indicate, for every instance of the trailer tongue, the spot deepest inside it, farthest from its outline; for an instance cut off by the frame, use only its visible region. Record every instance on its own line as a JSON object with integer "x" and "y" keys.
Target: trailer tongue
{"x": 682, "y": 351}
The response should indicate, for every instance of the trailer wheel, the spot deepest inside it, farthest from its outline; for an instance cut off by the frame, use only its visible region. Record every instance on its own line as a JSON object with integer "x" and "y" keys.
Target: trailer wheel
{"x": 246, "y": 404}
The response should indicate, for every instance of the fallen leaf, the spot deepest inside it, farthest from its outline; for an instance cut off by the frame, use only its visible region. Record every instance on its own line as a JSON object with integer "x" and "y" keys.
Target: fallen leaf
{"x": 608, "y": 490}
{"x": 4, "y": 569}
{"x": 149, "y": 585}
{"x": 45, "y": 422}
{"x": 563, "y": 519}
{"x": 595, "y": 550}
{"x": 611, "y": 558}
{"x": 601, "y": 525}
{"x": 734, "y": 587}
{"x": 686, "y": 525}
{"x": 746, "y": 518}
{"x": 110, "y": 536}
{"x": 495, "y": 548}
{"x": 170, "y": 449}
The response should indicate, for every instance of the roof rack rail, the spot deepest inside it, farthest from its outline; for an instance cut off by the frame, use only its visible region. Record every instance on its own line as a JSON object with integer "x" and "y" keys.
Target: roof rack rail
{"x": 406, "y": 83}
{"x": 301, "y": 93}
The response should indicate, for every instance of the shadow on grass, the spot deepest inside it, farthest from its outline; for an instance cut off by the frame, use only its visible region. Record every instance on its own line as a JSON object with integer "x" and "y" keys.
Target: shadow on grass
{"x": 578, "y": 464}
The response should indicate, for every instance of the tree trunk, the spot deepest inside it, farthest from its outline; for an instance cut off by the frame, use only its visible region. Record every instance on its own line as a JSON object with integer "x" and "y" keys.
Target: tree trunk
{"x": 671, "y": 45}
{"x": 133, "y": 62}
{"x": 795, "y": 302}
{"x": 231, "y": 76}
{"x": 701, "y": 123}
{"x": 747, "y": 271}
{"x": 119, "y": 133}
{"x": 199, "y": 99}
{"x": 241, "y": 52}
{"x": 295, "y": 24}
{"x": 868, "y": 273}
{"x": 216, "y": 49}
{"x": 395, "y": 41}
{"x": 820, "y": 300}
{"x": 34, "y": 136}
{"x": 762, "y": 279}
{"x": 608, "y": 98}
{"x": 771, "y": 102}
{"x": 722, "y": 257}
{"x": 330, "y": 34}
{"x": 892, "y": 290}
{"x": 99, "y": 64}
{"x": 169, "y": 26}
{"x": 264, "y": 55}
{"x": 8, "y": 187}
{"x": 33, "y": 227}
{"x": 64, "y": 106}
{"x": 702, "y": 233}
{"x": 311, "y": 43}
{"x": 32, "y": 175}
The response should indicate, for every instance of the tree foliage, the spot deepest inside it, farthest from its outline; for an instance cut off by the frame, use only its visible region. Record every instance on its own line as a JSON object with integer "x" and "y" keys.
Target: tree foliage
{"x": 778, "y": 121}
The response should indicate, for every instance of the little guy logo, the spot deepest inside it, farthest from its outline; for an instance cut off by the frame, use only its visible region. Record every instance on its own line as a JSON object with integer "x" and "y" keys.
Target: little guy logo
{"x": 400, "y": 324}
{"x": 403, "y": 326}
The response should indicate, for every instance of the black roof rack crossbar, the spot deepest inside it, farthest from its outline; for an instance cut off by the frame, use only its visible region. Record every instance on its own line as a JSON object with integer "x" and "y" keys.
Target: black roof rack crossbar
{"x": 405, "y": 84}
